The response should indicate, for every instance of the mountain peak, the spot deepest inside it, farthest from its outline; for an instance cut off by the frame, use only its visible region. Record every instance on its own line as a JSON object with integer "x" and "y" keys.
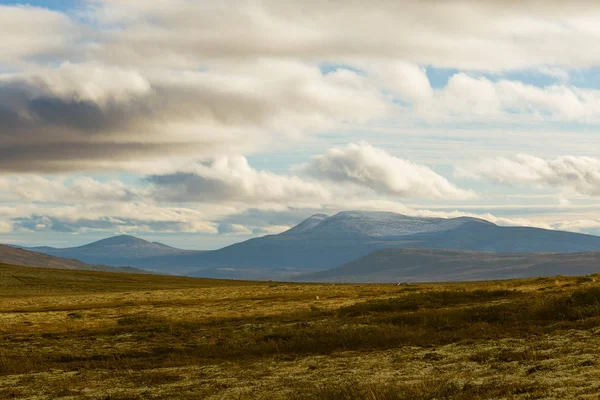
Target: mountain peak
{"x": 306, "y": 225}
{"x": 121, "y": 240}
{"x": 381, "y": 224}
{"x": 355, "y": 214}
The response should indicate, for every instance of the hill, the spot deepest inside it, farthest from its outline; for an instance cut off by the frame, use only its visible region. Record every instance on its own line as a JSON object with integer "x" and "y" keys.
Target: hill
{"x": 122, "y": 250}
{"x": 17, "y": 256}
{"x": 27, "y": 280}
{"x": 427, "y": 265}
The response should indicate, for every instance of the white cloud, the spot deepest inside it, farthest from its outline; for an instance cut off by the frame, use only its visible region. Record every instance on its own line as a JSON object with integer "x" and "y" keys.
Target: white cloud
{"x": 578, "y": 225}
{"x": 475, "y": 98}
{"x": 232, "y": 179}
{"x": 408, "y": 80}
{"x": 489, "y": 35}
{"x": 234, "y": 229}
{"x": 91, "y": 82}
{"x": 34, "y": 188}
{"x": 271, "y": 229}
{"x": 30, "y": 32}
{"x": 366, "y": 166}
{"x": 88, "y": 116}
{"x": 116, "y": 217}
{"x": 580, "y": 174}
{"x": 6, "y": 226}
{"x": 218, "y": 189}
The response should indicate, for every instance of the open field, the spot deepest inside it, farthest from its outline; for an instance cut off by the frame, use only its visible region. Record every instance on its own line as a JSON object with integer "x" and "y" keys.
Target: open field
{"x": 78, "y": 334}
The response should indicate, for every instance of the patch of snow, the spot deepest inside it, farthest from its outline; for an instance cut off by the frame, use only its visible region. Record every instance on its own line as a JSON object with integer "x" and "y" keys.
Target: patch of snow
{"x": 380, "y": 224}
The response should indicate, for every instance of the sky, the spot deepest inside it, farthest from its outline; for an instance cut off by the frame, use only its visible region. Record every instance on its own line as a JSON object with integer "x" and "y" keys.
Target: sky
{"x": 201, "y": 123}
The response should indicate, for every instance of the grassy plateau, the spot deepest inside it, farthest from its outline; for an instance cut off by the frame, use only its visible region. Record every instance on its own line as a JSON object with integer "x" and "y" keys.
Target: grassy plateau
{"x": 67, "y": 334}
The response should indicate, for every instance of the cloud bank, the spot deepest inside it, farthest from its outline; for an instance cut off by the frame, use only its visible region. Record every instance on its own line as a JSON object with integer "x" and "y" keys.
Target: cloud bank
{"x": 476, "y": 35}
{"x": 364, "y": 165}
{"x": 201, "y": 103}
{"x": 580, "y": 174}
{"x": 83, "y": 116}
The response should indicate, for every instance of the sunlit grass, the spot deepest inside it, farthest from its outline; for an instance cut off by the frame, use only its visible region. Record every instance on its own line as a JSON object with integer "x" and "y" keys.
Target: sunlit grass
{"x": 118, "y": 336}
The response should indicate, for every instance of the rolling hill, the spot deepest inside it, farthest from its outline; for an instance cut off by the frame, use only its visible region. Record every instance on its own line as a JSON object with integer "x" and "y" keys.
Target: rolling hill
{"x": 26, "y": 258}
{"x": 29, "y": 280}
{"x": 427, "y": 265}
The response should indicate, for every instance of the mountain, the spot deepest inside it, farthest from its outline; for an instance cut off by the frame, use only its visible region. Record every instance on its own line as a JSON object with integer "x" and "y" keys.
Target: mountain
{"x": 26, "y": 258}
{"x": 361, "y": 224}
{"x": 426, "y": 265}
{"x": 122, "y": 246}
{"x": 322, "y": 242}
{"x": 122, "y": 250}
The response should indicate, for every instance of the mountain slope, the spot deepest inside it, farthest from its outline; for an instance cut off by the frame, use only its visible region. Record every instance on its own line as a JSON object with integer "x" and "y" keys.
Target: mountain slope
{"x": 306, "y": 225}
{"x": 26, "y": 258}
{"x": 411, "y": 265}
{"x": 349, "y": 235}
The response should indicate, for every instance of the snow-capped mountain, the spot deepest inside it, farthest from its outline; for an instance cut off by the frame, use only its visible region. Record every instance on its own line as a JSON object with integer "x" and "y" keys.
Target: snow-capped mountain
{"x": 376, "y": 224}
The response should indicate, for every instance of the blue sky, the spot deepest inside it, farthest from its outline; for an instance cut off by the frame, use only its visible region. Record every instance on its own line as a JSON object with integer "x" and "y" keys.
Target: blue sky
{"x": 202, "y": 124}
{"x": 60, "y": 5}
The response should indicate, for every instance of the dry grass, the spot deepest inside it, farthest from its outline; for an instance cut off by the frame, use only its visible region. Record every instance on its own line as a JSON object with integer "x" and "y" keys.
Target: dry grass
{"x": 74, "y": 334}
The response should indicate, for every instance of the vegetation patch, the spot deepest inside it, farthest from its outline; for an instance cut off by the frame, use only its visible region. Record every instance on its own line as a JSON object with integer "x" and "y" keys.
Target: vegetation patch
{"x": 504, "y": 339}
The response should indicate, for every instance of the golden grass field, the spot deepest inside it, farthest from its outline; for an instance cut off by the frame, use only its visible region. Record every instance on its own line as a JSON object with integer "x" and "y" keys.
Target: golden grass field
{"x": 96, "y": 335}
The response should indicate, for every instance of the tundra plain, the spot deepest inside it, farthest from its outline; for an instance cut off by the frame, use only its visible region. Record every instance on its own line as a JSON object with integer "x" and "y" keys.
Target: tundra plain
{"x": 67, "y": 334}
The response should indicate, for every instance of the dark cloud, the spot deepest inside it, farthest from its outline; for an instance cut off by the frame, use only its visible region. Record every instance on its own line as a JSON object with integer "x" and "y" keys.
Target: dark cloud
{"x": 82, "y": 116}
{"x": 10, "y": 121}
{"x": 190, "y": 187}
{"x": 42, "y": 223}
{"x": 68, "y": 156}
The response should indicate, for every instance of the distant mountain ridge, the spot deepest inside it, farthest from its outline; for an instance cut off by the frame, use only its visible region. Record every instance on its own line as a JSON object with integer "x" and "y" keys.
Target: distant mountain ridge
{"x": 130, "y": 243}
{"x": 122, "y": 250}
{"x": 322, "y": 242}
{"x": 429, "y": 265}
